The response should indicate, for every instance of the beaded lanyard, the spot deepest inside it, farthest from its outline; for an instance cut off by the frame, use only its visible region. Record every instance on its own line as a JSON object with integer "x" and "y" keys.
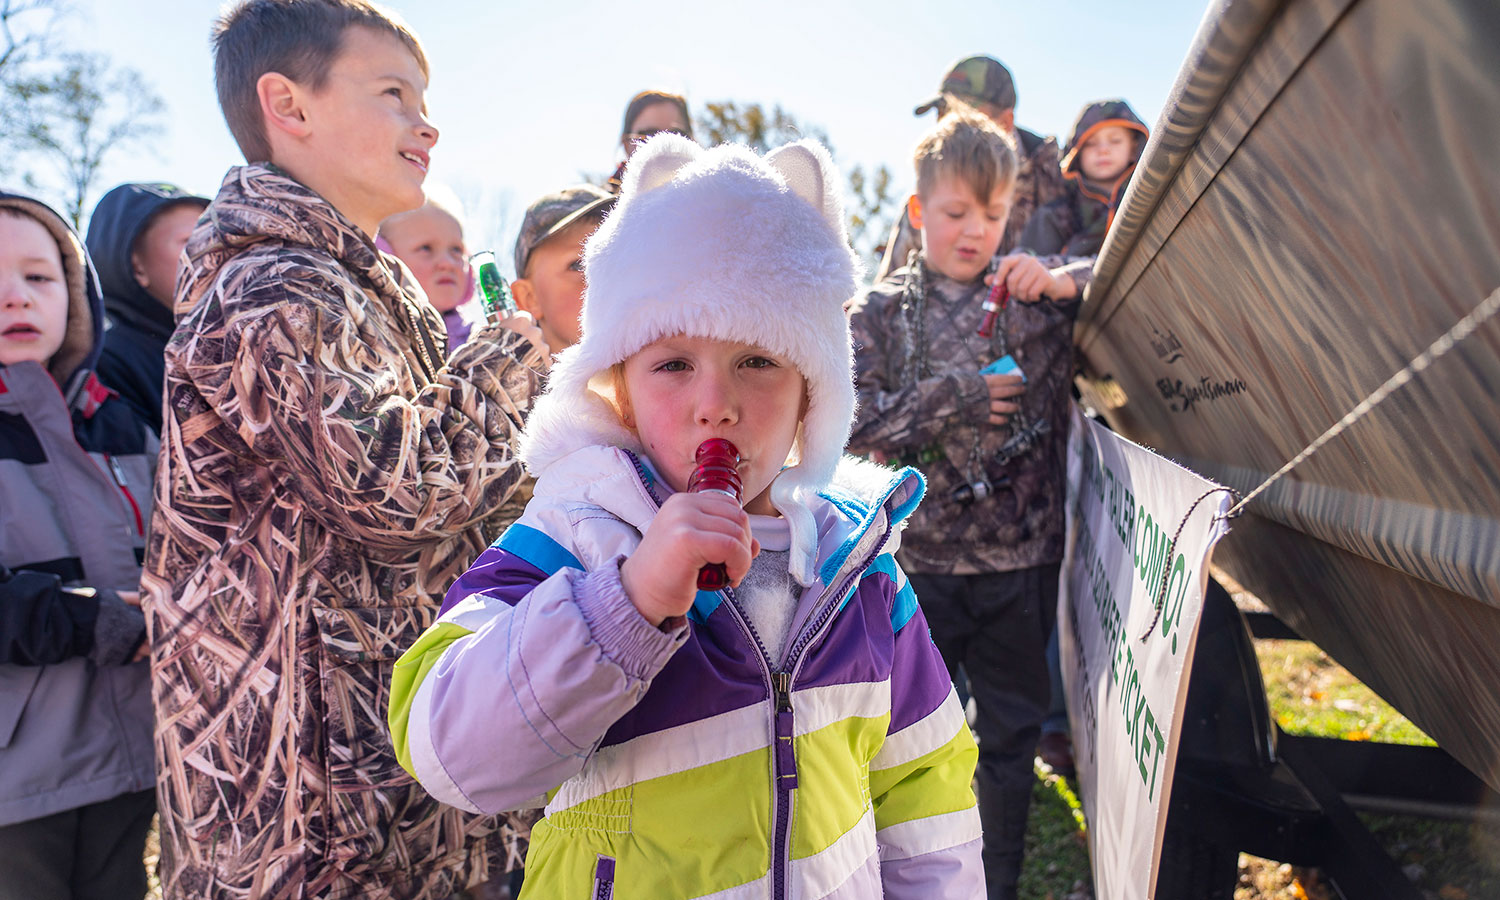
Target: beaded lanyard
{"x": 1024, "y": 432}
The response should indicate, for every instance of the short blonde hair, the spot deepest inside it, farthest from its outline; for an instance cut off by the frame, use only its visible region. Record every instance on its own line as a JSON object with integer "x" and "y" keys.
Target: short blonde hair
{"x": 966, "y": 145}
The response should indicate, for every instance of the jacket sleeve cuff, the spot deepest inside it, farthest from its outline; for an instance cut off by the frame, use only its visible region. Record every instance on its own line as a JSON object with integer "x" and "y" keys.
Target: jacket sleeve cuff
{"x": 623, "y": 634}
{"x": 118, "y": 631}
{"x": 1081, "y": 271}
{"x": 973, "y": 398}
{"x": 510, "y": 343}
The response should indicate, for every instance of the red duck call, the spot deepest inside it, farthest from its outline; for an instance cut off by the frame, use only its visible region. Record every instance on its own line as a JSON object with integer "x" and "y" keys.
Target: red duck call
{"x": 718, "y": 470}
{"x": 992, "y": 305}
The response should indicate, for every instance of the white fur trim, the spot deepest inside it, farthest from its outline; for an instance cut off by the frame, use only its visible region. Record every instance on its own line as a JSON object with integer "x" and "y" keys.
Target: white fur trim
{"x": 724, "y": 244}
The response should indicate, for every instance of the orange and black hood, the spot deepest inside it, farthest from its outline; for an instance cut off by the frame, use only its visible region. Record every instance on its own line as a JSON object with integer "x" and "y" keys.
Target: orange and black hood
{"x": 1097, "y": 115}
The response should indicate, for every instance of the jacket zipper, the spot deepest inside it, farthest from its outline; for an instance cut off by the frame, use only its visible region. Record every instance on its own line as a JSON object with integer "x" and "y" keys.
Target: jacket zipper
{"x": 780, "y": 680}
{"x": 779, "y": 686}
{"x": 604, "y": 878}
{"x": 779, "y": 683}
{"x": 120, "y": 482}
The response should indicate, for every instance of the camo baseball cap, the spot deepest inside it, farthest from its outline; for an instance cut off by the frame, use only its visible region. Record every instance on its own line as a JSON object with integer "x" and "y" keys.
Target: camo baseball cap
{"x": 553, "y": 212}
{"x": 977, "y": 79}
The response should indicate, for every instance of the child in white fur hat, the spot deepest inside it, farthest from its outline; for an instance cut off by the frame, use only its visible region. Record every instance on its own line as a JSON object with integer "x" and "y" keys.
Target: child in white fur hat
{"x": 795, "y": 735}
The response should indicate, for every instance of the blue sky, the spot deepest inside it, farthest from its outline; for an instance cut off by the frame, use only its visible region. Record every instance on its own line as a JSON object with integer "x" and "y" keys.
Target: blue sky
{"x": 529, "y": 96}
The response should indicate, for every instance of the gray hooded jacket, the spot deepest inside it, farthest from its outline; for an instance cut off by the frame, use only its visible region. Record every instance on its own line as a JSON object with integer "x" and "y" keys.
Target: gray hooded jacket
{"x": 75, "y": 492}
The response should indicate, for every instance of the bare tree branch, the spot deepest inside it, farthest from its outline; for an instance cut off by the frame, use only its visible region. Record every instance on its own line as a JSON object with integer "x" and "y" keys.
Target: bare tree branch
{"x": 18, "y": 44}
{"x": 78, "y": 115}
{"x": 25, "y": 33}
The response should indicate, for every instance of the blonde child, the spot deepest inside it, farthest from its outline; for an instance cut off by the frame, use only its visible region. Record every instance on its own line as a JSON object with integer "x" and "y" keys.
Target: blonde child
{"x": 430, "y": 240}
{"x": 75, "y": 489}
{"x": 793, "y": 735}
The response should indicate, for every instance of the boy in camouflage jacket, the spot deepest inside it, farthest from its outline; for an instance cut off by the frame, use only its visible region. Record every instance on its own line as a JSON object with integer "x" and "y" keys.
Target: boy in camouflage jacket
{"x": 325, "y": 475}
{"x": 983, "y": 551}
{"x": 983, "y": 83}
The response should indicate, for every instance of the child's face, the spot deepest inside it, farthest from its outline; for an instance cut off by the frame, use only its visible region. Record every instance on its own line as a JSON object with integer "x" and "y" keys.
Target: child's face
{"x": 367, "y": 147}
{"x": 552, "y": 290}
{"x": 159, "y": 249}
{"x": 1106, "y": 153}
{"x": 33, "y": 292}
{"x": 960, "y": 231}
{"x": 682, "y": 390}
{"x": 431, "y": 242}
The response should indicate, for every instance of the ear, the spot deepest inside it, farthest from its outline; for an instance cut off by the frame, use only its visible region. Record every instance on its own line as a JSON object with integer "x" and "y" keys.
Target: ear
{"x": 281, "y": 105}
{"x": 657, "y": 161}
{"x": 914, "y": 211}
{"x": 809, "y": 173}
{"x": 138, "y": 272}
{"x": 525, "y": 297}
{"x": 1007, "y": 120}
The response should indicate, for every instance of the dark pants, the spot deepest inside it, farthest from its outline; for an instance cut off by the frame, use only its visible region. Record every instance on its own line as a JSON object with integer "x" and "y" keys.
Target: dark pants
{"x": 90, "y": 852}
{"x": 996, "y": 626}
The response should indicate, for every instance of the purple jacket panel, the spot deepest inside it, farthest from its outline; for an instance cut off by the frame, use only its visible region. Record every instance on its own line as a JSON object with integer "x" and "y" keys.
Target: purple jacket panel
{"x": 919, "y": 680}
{"x": 857, "y": 647}
{"x": 719, "y": 666}
{"x": 498, "y": 574}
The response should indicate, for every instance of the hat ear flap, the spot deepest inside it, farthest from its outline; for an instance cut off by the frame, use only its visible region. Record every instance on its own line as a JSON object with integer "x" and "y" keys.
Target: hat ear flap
{"x": 809, "y": 173}
{"x": 657, "y": 161}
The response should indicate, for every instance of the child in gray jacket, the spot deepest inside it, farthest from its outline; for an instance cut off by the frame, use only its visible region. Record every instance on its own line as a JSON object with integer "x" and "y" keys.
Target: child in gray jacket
{"x": 76, "y": 772}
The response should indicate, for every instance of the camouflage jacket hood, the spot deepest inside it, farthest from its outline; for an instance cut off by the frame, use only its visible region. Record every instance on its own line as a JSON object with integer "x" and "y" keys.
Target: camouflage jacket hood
{"x": 324, "y": 477}
{"x": 260, "y": 205}
{"x": 922, "y": 402}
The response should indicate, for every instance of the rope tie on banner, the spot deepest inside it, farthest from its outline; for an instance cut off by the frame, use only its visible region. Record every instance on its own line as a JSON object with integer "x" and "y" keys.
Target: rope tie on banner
{"x": 1435, "y": 351}
{"x": 1166, "y": 570}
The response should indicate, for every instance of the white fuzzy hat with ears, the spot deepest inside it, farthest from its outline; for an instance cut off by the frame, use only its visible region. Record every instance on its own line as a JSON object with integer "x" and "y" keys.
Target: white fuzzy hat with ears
{"x": 723, "y": 244}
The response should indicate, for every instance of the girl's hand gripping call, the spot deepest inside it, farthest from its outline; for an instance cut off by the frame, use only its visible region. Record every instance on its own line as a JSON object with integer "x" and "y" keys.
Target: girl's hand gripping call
{"x": 690, "y": 532}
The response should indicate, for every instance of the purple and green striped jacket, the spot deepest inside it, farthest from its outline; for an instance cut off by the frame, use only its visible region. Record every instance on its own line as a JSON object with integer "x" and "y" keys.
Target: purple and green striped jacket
{"x": 691, "y": 763}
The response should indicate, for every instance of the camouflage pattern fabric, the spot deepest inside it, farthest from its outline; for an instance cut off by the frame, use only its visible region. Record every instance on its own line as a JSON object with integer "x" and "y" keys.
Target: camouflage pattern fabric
{"x": 1076, "y": 223}
{"x": 323, "y": 479}
{"x": 922, "y": 402}
{"x": 1039, "y": 182}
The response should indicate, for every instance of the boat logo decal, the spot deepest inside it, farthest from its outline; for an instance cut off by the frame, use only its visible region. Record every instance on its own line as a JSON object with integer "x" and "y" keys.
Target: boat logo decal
{"x": 1181, "y": 395}
{"x": 1168, "y": 348}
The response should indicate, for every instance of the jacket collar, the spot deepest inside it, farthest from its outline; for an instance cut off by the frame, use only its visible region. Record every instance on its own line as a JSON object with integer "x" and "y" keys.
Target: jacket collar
{"x": 864, "y": 502}
{"x": 258, "y": 204}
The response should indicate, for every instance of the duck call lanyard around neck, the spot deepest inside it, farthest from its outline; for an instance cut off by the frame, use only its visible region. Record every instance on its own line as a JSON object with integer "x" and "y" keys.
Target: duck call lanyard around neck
{"x": 915, "y": 366}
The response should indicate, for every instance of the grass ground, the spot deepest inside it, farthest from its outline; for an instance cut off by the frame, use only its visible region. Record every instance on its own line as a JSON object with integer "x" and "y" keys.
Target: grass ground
{"x": 1310, "y": 694}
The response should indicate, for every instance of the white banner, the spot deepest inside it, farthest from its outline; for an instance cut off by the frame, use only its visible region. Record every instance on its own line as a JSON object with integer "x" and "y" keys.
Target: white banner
{"x": 1125, "y": 694}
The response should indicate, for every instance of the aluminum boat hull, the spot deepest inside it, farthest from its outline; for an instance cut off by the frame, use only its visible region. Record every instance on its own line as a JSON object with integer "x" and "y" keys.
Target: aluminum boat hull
{"x": 1319, "y": 203}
